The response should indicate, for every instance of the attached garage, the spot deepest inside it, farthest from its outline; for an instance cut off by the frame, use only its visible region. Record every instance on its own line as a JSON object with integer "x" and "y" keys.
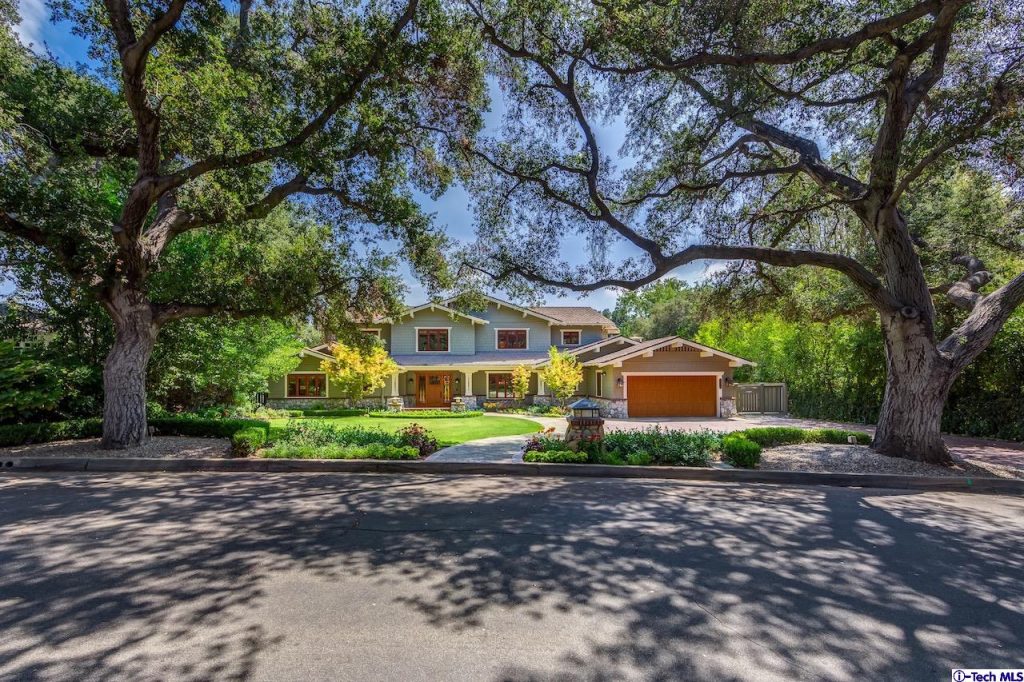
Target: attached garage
{"x": 667, "y": 395}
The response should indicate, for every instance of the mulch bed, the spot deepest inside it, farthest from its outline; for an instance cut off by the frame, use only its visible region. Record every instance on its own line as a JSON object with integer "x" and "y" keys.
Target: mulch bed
{"x": 860, "y": 459}
{"x": 158, "y": 447}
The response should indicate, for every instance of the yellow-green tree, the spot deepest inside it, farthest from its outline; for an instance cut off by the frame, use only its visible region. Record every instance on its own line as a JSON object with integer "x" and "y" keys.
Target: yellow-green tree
{"x": 562, "y": 374}
{"x": 354, "y": 372}
{"x": 520, "y": 382}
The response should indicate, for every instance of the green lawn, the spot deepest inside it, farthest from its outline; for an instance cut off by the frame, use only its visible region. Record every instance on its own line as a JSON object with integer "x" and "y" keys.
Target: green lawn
{"x": 446, "y": 431}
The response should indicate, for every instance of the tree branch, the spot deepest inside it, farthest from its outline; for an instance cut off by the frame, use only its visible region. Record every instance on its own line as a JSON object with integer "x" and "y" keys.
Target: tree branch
{"x": 989, "y": 315}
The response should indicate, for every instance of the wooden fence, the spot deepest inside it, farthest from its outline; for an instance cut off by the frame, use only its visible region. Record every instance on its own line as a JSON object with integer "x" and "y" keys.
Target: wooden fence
{"x": 762, "y": 398}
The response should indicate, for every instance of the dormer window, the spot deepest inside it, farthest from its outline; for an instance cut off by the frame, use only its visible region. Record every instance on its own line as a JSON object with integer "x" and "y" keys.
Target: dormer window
{"x": 512, "y": 339}
{"x": 432, "y": 340}
{"x": 570, "y": 337}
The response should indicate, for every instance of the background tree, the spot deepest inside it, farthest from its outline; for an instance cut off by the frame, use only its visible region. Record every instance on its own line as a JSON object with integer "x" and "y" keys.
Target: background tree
{"x": 780, "y": 135}
{"x": 669, "y": 307}
{"x": 356, "y": 371}
{"x": 198, "y": 121}
{"x": 562, "y": 375}
{"x": 29, "y": 388}
{"x": 520, "y": 382}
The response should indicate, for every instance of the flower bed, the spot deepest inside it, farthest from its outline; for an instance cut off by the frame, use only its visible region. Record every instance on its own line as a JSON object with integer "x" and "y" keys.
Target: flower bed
{"x": 426, "y": 414}
{"x": 307, "y": 438}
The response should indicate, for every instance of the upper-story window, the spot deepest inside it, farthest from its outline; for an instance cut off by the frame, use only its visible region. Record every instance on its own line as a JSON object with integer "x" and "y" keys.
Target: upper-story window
{"x": 371, "y": 332}
{"x": 570, "y": 337}
{"x": 509, "y": 339}
{"x": 432, "y": 340}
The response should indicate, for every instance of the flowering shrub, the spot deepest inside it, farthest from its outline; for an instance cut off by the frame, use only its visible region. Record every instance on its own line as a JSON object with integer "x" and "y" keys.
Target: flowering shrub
{"x": 418, "y": 437}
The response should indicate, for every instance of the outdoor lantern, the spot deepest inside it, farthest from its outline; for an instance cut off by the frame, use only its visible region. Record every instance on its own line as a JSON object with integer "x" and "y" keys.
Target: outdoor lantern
{"x": 586, "y": 409}
{"x": 619, "y": 382}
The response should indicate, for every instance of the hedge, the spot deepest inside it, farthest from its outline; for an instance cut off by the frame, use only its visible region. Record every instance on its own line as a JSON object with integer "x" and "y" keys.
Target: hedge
{"x": 334, "y": 451}
{"x": 339, "y": 412}
{"x": 556, "y": 456}
{"x": 425, "y": 414}
{"x": 247, "y": 441}
{"x": 45, "y": 432}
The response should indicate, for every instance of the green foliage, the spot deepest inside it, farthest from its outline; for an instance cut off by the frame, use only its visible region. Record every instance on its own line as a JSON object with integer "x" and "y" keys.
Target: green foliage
{"x": 29, "y": 387}
{"x": 741, "y": 451}
{"x": 663, "y": 446}
{"x": 426, "y": 414}
{"x": 339, "y": 412}
{"x": 337, "y": 451}
{"x": 833, "y": 370}
{"x": 24, "y": 434}
{"x": 543, "y": 442}
{"x": 316, "y": 433}
{"x": 668, "y": 307}
{"x": 639, "y": 458}
{"x": 205, "y": 428}
{"x": 247, "y": 441}
{"x": 562, "y": 375}
{"x": 212, "y": 362}
{"x": 556, "y": 456}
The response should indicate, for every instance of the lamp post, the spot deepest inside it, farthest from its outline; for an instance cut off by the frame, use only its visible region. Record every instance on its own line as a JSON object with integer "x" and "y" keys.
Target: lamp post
{"x": 585, "y": 424}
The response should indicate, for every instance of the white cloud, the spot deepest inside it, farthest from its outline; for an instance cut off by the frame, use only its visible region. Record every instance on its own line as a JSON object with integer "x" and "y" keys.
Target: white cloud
{"x": 34, "y": 16}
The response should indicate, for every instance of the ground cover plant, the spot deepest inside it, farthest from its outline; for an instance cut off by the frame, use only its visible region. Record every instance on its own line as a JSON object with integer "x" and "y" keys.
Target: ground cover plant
{"x": 447, "y": 431}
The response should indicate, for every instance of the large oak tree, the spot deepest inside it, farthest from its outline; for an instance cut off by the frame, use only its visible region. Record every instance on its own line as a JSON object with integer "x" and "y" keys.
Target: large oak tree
{"x": 777, "y": 133}
{"x": 145, "y": 181}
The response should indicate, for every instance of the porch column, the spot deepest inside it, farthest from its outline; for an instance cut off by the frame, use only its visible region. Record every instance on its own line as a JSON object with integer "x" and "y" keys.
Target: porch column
{"x": 540, "y": 384}
{"x": 467, "y": 383}
{"x": 394, "y": 385}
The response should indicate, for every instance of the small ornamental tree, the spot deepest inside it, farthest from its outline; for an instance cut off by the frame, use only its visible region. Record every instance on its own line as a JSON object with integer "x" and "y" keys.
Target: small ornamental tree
{"x": 354, "y": 372}
{"x": 520, "y": 382}
{"x": 562, "y": 374}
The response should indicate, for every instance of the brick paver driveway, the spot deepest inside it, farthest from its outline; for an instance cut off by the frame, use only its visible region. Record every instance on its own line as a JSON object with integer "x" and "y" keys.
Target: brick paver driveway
{"x": 1002, "y": 452}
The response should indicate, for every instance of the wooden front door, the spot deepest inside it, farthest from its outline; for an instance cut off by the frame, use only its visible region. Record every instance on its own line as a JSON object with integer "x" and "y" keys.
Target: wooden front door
{"x": 433, "y": 389}
{"x": 672, "y": 396}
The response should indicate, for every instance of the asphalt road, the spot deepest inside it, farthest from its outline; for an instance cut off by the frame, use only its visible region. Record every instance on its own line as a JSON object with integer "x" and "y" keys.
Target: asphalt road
{"x": 366, "y": 577}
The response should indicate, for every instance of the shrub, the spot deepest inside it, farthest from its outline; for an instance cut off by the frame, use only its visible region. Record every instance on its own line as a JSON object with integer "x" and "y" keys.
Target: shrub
{"x": 339, "y": 412}
{"x": 741, "y": 451}
{"x": 837, "y": 436}
{"x": 317, "y": 433}
{"x": 606, "y": 457}
{"x": 337, "y": 451}
{"x": 45, "y": 432}
{"x": 247, "y": 441}
{"x": 678, "y": 448}
{"x": 204, "y": 428}
{"x": 544, "y": 442}
{"x": 418, "y": 437}
{"x": 770, "y": 436}
{"x": 426, "y": 414}
{"x": 639, "y": 459}
{"x": 556, "y": 457}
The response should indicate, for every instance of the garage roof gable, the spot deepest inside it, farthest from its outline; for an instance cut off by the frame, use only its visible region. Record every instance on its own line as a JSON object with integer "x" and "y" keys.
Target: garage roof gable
{"x": 640, "y": 349}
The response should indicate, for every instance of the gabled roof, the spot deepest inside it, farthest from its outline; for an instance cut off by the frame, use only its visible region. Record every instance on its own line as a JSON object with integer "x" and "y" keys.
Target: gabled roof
{"x": 435, "y": 306}
{"x": 512, "y": 306}
{"x": 663, "y": 342}
{"x": 595, "y": 345}
{"x": 316, "y": 352}
{"x": 577, "y": 314}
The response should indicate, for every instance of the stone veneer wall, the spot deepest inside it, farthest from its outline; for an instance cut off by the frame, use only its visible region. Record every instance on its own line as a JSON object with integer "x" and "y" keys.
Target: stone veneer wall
{"x": 728, "y": 408}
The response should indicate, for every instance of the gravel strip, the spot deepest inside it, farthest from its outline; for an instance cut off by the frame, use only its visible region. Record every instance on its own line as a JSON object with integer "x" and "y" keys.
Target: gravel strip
{"x": 860, "y": 459}
{"x": 158, "y": 447}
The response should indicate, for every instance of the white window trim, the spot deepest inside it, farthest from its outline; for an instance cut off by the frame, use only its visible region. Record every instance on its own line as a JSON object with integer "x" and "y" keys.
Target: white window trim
{"x": 599, "y": 384}
{"x": 416, "y": 340}
{"x": 371, "y": 329}
{"x": 487, "y": 385}
{"x": 512, "y": 329}
{"x": 718, "y": 384}
{"x": 572, "y": 345}
{"x": 327, "y": 387}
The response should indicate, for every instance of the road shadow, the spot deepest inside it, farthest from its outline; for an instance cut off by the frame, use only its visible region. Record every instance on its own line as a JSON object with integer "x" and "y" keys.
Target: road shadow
{"x": 111, "y": 576}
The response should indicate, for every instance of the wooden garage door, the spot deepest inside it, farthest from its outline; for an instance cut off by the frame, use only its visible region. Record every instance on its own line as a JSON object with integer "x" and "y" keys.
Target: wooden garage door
{"x": 672, "y": 396}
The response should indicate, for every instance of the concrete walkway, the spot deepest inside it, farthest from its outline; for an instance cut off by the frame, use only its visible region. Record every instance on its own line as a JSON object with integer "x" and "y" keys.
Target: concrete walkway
{"x": 497, "y": 449}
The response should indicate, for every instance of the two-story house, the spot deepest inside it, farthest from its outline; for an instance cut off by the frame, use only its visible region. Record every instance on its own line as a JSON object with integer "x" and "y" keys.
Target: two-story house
{"x": 443, "y": 352}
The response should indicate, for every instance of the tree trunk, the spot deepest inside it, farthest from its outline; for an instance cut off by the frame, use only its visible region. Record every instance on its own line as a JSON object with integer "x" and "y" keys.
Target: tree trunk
{"x": 917, "y": 384}
{"x": 124, "y": 372}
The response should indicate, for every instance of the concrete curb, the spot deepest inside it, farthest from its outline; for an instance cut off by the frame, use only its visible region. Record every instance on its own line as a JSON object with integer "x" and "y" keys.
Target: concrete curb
{"x": 128, "y": 464}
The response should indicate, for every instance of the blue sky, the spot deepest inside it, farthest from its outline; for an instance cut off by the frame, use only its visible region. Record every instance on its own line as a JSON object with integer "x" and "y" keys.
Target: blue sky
{"x": 452, "y": 210}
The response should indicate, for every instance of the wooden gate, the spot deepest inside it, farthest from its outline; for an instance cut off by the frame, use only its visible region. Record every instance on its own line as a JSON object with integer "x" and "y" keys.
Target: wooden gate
{"x": 762, "y": 398}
